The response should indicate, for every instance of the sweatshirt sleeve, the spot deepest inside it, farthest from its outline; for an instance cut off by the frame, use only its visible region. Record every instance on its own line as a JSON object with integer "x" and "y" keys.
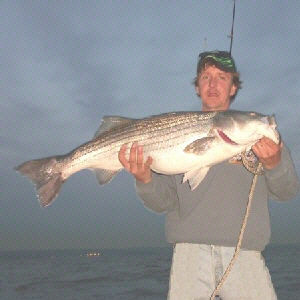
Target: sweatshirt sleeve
{"x": 160, "y": 194}
{"x": 282, "y": 181}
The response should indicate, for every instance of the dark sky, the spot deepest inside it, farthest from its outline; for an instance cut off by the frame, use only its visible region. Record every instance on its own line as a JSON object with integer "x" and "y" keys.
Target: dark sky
{"x": 66, "y": 64}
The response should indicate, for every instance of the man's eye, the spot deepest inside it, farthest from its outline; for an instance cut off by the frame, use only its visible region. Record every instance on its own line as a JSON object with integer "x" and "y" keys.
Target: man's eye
{"x": 204, "y": 77}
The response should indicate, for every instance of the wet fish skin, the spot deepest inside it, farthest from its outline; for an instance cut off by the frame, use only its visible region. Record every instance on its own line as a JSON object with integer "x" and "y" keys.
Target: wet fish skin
{"x": 178, "y": 142}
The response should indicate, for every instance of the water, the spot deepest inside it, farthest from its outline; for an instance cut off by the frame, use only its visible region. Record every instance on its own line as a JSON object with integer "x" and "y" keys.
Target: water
{"x": 117, "y": 274}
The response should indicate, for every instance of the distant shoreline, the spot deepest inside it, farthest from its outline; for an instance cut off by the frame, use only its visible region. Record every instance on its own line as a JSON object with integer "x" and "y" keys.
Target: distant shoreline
{"x": 129, "y": 249}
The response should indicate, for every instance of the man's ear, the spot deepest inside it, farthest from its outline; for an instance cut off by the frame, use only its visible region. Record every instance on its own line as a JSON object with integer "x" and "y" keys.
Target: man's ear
{"x": 197, "y": 90}
{"x": 233, "y": 90}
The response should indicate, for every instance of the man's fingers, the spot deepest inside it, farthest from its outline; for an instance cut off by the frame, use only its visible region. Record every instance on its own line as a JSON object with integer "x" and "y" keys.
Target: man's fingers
{"x": 266, "y": 147}
{"x": 263, "y": 146}
{"x": 122, "y": 157}
{"x": 132, "y": 158}
{"x": 148, "y": 162}
{"x": 132, "y": 154}
{"x": 268, "y": 152}
{"x": 135, "y": 164}
{"x": 268, "y": 143}
{"x": 140, "y": 157}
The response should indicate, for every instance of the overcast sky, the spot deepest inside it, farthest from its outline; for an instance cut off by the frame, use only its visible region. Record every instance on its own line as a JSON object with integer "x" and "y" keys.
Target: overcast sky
{"x": 65, "y": 64}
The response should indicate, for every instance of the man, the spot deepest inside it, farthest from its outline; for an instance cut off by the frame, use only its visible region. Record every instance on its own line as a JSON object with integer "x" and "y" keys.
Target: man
{"x": 204, "y": 224}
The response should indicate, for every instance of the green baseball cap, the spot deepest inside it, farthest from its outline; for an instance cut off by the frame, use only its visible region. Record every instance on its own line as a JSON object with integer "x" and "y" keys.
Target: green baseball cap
{"x": 221, "y": 59}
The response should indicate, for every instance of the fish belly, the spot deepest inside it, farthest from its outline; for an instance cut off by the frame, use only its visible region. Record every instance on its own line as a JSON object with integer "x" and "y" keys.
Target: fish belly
{"x": 177, "y": 161}
{"x": 173, "y": 162}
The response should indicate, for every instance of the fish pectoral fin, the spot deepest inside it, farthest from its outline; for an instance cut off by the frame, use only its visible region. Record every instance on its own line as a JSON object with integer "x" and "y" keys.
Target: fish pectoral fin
{"x": 200, "y": 146}
{"x": 105, "y": 176}
{"x": 195, "y": 176}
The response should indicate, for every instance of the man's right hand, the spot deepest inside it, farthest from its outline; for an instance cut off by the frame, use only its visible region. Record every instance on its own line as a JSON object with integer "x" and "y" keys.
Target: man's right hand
{"x": 136, "y": 165}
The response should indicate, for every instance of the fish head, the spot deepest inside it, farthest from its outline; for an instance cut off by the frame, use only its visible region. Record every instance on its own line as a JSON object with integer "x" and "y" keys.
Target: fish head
{"x": 245, "y": 128}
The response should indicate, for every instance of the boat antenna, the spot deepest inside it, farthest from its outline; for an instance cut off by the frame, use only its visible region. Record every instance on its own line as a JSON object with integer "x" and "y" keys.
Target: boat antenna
{"x": 232, "y": 26}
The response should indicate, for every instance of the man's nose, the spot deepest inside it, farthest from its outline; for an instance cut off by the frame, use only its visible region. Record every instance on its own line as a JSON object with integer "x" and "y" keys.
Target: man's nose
{"x": 212, "y": 81}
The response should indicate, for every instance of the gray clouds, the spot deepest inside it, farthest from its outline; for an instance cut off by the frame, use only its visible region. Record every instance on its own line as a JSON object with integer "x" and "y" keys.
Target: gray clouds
{"x": 66, "y": 64}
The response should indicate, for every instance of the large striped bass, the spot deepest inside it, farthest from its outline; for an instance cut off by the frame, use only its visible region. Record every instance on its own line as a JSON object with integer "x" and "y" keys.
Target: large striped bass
{"x": 178, "y": 142}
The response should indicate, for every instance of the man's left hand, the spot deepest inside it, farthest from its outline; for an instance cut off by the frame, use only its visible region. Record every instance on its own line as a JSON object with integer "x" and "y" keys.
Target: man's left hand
{"x": 268, "y": 152}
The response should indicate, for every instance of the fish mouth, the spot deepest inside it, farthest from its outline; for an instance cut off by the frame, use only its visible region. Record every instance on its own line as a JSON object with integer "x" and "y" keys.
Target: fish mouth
{"x": 225, "y": 138}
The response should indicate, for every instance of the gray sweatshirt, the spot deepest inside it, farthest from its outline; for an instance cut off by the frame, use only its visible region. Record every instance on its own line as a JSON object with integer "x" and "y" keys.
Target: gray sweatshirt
{"x": 213, "y": 213}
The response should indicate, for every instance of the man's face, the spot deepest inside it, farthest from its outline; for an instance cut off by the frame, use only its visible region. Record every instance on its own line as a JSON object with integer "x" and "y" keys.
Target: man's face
{"x": 215, "y": 87}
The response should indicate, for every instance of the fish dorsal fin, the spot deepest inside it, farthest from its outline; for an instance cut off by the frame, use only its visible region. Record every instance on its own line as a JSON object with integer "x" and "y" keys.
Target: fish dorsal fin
{"x": 199, "y": 146}
{"x": 105, "y": 176}
{"x": 195, "y": 176}
{"x": 109, "y": 122}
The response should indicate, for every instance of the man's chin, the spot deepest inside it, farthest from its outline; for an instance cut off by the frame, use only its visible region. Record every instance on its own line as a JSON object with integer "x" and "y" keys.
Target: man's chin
{"x": 214, "y": 105}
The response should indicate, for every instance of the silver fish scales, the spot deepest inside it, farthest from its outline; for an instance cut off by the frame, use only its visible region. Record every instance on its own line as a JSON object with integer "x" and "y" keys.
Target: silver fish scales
{"x": 179, "y": 142}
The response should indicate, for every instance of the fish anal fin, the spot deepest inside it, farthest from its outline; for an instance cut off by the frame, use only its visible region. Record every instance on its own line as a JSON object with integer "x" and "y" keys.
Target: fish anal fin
{"x": 105, "y": 176}
{"x": 199, "y": 146}
{"x": 195, "y": 176}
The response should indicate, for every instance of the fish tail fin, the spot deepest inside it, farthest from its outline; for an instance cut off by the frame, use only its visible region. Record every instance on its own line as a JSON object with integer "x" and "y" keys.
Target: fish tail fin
{"x": 46, "y": 175}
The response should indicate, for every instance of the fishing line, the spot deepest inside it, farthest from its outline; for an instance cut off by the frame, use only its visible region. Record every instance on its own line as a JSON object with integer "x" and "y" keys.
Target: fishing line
{"x": 256, "y": 172}
{"x": 232, "y": 26}
{"x": 241, "y": 235}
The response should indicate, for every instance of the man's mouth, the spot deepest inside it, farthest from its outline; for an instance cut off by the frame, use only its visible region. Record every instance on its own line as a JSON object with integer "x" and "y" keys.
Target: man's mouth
{"x": 226, "y": 138}
{"x": 213, "y": 94}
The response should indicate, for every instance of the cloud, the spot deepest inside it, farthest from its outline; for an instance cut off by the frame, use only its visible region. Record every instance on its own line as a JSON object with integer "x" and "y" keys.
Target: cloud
{"x": 66, "y": 65}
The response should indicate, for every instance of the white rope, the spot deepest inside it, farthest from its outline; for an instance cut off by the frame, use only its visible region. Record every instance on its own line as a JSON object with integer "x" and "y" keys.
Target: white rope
{"x": 238, "y": 246}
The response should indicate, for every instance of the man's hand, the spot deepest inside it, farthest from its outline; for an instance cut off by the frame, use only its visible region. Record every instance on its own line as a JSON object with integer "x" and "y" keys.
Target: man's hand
{"x": 268, "y": 152}
{"x": 135, "y": 165}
